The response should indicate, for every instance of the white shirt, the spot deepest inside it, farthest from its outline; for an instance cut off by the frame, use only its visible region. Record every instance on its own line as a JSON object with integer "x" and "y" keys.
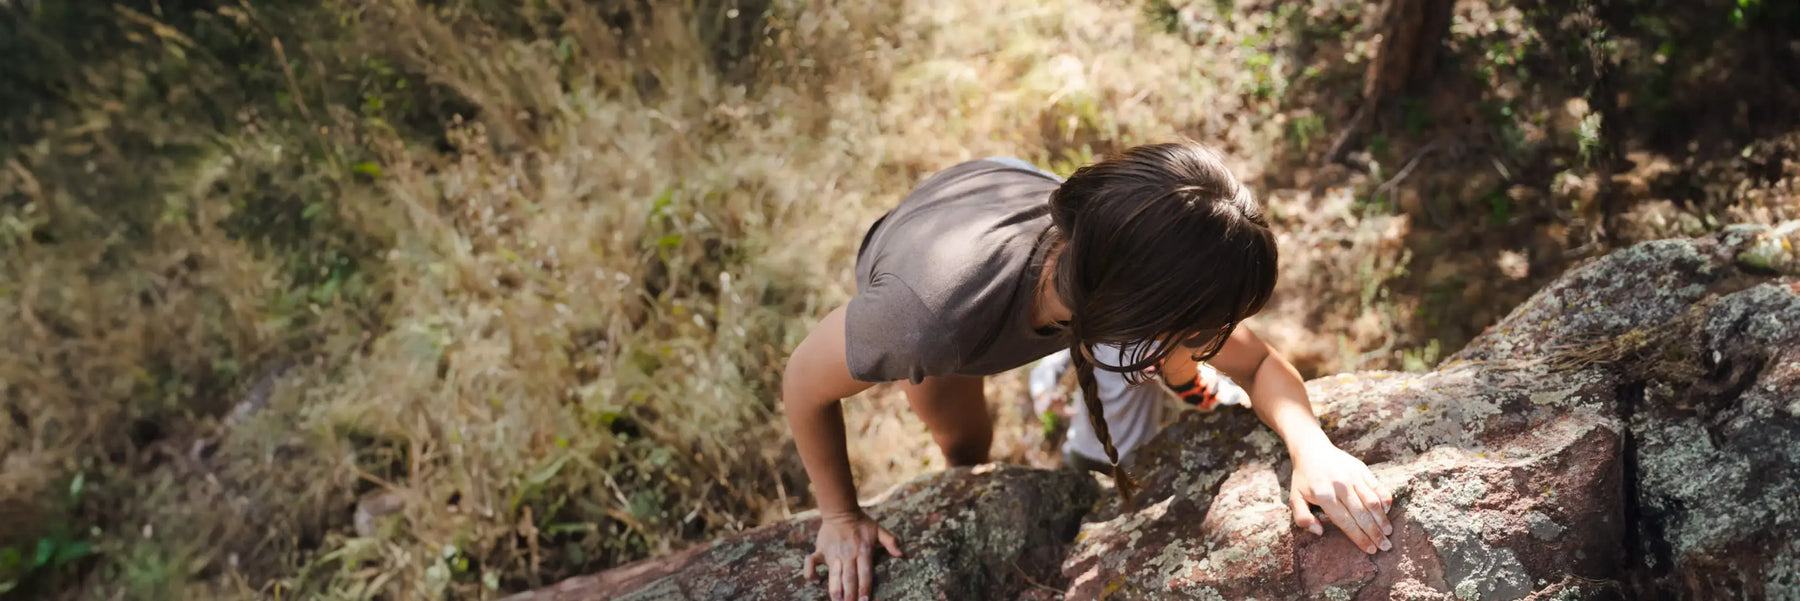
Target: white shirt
{"x": 1133, "y": 412}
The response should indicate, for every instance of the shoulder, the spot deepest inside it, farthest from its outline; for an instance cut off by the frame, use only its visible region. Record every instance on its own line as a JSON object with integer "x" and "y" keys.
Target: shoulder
{"x": 892, "y": 334}
{"x": 964, "y": 235}
{"x": 937, "y": 274}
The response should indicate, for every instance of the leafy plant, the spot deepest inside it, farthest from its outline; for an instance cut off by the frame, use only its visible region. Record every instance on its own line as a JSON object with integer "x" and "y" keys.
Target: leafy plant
{"x": 1072, "y": 159}
{"x": 1264, "y": 81}
{"x": 1163, "y": 16}
{"x": 1588, "y": 137}
{"x": 1744, "y": 12}
{"x": 1422, "y": 358}
{"x": 1499, "y": 208}
{"x": 1303, "y": 130}
{"x": 57, "y": 547}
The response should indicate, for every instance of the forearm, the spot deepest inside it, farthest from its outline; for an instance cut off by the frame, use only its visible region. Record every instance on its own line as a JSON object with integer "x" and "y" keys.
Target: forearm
{"x": 1278, "y": 396}
{"x": 819, "y": 435}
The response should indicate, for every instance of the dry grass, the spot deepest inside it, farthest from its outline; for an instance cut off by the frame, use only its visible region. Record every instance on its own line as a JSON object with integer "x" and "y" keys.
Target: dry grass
{"x": 442, "y": 302}
{"x": 555, "y": 355}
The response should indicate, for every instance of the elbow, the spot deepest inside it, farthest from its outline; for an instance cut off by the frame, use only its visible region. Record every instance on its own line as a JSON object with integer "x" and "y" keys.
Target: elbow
{"x": 1256, "y": 373}
{"x": 802, "y": 390}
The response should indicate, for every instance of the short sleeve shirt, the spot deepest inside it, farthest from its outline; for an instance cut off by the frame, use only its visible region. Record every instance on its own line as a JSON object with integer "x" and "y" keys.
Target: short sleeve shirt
{"x": 945, "y": 281}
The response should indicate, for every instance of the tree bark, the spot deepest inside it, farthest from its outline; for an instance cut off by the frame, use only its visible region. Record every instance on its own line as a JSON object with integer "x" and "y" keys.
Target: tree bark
{"x": 1411, "y": 37}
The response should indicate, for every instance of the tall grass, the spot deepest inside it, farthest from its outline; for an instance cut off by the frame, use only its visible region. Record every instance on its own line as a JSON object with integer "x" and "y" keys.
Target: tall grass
{"x": 542, "y": 342}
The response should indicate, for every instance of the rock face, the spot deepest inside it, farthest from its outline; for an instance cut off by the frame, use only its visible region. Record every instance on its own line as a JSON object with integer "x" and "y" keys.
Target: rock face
{"x": 1703, "y": 338}
{"x": 1504, "y": 490}
{"x": 1631, "y": 432}
{"x": 969, "y": 533}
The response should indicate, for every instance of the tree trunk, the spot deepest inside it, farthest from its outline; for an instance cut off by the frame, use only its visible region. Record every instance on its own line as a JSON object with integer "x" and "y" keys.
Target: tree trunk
{"x": 1411, "y": 35}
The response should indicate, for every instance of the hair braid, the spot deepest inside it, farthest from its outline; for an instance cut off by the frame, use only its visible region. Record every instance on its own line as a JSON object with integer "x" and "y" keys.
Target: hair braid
{"x": 1090, "y": 396}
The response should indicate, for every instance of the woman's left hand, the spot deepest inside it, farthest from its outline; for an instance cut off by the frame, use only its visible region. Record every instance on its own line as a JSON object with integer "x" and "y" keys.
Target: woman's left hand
{"x": 1352, "y": 498}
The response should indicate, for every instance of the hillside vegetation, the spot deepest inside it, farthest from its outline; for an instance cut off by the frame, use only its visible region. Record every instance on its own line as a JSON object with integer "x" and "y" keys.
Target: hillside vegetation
{"x": 359, "y": 300}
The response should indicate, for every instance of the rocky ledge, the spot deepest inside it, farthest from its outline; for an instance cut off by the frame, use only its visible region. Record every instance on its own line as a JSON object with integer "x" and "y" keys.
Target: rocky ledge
{"x": 1630, "y": 432}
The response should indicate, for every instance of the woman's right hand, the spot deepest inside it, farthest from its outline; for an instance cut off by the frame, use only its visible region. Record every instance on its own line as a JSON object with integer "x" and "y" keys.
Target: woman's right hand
{"x": 846, "y": 547}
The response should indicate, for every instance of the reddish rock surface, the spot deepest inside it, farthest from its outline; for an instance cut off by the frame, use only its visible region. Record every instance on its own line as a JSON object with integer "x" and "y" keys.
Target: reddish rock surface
{"x": 1498, "y": 496}
{"x": 1632, "y": 431}
{"x": 1703, "y": 337}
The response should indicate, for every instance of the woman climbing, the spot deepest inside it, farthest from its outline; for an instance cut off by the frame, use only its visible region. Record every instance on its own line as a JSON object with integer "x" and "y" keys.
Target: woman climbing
{"x": 992, "y": 264}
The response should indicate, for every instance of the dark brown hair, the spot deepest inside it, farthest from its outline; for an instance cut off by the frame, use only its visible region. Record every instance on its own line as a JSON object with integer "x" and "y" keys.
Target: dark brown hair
{"x": 1162, "y": 249}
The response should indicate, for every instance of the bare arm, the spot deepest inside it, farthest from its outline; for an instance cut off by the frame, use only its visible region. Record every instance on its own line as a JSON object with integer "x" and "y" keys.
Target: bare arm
{"x": 1277, "y": 393}
{"x": 816, "y": 380}
{"x": 1324, "y": 475}
{"x": 812, "y": 388}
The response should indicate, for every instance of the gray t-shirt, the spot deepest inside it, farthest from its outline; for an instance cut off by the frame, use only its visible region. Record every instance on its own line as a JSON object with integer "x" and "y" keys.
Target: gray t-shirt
{"x": 945, "y": 281}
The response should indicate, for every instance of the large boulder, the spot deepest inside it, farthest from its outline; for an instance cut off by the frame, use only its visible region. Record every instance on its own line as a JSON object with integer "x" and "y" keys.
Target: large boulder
{"x": 1508, "y": 486}
{"x": 1631, "y": 431}
{"x": 1716, "y": 453}
{"x": 1703, "y": 337}
{"x": 968, "y": 533}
